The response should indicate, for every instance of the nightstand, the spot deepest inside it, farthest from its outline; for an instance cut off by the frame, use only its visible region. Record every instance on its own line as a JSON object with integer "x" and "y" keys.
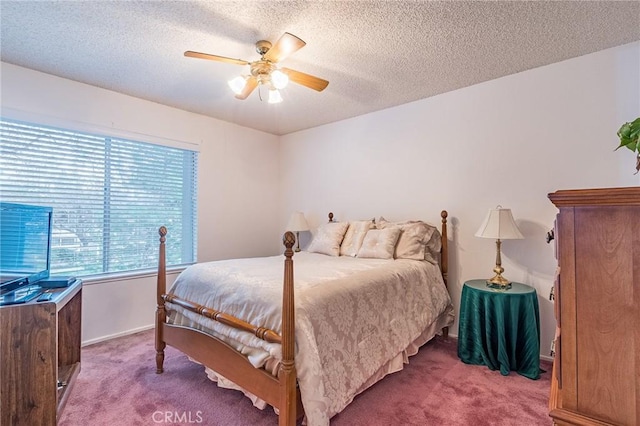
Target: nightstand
{"x": 500, "y": 328}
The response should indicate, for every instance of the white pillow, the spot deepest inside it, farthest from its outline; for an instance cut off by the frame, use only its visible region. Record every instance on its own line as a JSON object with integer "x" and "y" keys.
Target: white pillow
{"x": 433, "y": 248}
{"x": 328, "y": 238}
{"x": 418, "y": 240}
{"x": 380, "y": 243}
{"x": 355, "y": 235}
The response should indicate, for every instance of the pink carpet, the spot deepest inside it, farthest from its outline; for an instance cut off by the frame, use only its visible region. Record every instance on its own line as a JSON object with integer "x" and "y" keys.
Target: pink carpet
{"x": 118, "y": 386}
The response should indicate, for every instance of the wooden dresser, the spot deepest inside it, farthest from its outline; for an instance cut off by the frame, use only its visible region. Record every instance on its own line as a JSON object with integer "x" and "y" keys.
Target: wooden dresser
{"x": 596, "y": 377}
{"x": 39, "y": 357}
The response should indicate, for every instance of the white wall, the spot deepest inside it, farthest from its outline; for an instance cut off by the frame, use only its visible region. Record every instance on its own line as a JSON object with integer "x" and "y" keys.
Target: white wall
{"x": 509, "y": 141}
{"x": 237, "y": 184}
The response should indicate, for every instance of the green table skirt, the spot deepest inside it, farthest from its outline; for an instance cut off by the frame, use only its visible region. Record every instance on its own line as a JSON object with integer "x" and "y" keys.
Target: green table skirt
{"x": 500, "y": 329}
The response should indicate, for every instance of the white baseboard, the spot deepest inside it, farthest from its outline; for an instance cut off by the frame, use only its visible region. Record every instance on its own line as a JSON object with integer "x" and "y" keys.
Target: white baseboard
{"x": 113, "y": 336}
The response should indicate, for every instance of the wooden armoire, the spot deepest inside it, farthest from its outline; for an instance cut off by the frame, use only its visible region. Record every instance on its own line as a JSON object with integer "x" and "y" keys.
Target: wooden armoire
{"x": 596, "y": 370}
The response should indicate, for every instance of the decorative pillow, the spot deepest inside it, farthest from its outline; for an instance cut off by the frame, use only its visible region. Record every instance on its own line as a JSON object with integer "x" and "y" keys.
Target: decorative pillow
{"x": 418, "y": 240}
{"x": 355, "y": 235}
{"x": 382, "y": 223}
{"x": 433, "y": 247}
{"x": 380, "y": 243}
{"x": 328, "y": 238}
{"x": 411, "y": 244}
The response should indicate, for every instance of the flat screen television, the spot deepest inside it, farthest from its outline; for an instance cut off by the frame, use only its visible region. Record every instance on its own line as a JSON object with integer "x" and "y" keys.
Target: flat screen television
{"x": 25, "y": 245}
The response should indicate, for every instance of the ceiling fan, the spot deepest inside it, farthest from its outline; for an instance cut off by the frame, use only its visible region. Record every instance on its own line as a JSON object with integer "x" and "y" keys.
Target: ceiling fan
{"x": 265, "y": 72}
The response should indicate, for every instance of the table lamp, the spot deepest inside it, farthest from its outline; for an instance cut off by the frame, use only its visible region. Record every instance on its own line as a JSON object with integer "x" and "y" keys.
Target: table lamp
{"x": 297, "y": 223}
{"x": 499, "y": 224}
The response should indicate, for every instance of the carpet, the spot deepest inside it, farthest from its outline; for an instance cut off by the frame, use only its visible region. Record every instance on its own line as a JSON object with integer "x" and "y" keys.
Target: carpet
{"x": 118, "y": 386}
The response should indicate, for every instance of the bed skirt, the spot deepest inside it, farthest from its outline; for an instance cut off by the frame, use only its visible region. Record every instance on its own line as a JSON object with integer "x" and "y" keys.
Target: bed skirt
{"x": 394, "y": 365}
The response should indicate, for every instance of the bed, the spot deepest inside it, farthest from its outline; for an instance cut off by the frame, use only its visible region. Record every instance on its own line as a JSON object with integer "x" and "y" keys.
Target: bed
{"x": 355, "y": 317}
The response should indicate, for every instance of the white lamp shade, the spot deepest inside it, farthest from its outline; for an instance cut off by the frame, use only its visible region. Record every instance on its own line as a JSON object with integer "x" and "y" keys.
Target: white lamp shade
{"x": 274, "y": 96}
{"x": 499, "y": 225}
{"x": 279, "y": 79}
{"x": 237, "y": 84}
{"x": 297, "y": 222}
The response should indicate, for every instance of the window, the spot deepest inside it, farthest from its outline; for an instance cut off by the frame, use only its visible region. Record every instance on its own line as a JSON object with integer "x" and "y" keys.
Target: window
{"x": 109, "y": 196}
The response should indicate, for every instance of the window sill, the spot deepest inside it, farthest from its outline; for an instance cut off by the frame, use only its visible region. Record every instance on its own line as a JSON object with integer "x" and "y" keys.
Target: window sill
{"x": 127, "y": 276}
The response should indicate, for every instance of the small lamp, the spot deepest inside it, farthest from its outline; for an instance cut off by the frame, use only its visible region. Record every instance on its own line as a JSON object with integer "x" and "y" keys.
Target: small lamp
{"x": 296, "y": 224}
{"x": 499, "y": 224}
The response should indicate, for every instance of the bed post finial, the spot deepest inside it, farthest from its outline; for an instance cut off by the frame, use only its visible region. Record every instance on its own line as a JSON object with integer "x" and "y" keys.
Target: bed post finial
{"x": 161, "y": 289}
{"x": 288, "y": 239}
{"x": 287, "y": 372}
{"x": 330, "y": 216}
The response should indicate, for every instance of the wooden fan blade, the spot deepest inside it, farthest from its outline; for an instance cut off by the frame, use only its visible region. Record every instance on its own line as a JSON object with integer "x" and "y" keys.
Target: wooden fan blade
{"x": 285, "y": 46}
{"x": 306, "y": 80}
{"x": 251, "y": 84}
{"x": 199, "y": 55}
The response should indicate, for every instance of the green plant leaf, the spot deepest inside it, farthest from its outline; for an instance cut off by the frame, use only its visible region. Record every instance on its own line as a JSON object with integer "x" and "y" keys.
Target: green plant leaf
{"x": 624, "y": 141}
{"x": 625, "y": 131}
{"x": 629, "y": 134}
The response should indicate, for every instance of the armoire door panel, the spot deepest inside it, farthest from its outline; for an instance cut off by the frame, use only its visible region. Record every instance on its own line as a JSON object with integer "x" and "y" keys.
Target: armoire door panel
{"x": 605, "y": 319}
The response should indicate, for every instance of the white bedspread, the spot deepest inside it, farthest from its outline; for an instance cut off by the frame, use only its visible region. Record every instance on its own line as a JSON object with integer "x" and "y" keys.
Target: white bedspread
{"x": 352, "y": 316}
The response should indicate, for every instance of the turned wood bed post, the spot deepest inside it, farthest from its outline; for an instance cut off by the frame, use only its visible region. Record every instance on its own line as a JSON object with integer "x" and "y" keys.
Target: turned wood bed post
{"x": 287, "y": 372}
{"x": 444, "y": 252}
{"x": 161, "y": 313}
{"x": 444, "y": 259}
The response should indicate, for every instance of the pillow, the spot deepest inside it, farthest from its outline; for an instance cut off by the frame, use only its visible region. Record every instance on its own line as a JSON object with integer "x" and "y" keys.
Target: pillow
{"x": 411, "y": 243}
{"x": 380, "y": 243}
{"x": 328, "y": 238}
{"x": 382, "y": 223}
{"x": 418, "y": 240}
{"x": 354, "y": 237}
{"x": 433, "y": 247}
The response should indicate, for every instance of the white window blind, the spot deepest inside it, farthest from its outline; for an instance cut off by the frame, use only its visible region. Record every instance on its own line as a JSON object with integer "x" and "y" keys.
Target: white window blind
{"x": 109, "y": 196}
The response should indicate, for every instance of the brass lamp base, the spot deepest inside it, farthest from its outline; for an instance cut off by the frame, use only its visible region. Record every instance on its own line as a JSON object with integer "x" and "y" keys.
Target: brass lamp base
{"x": 498, "y": 281}
{"x": 297, "y": 249}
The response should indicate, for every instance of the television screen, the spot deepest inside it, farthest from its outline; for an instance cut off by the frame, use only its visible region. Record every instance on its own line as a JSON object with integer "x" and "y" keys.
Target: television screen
{"x": 25, "y": 242}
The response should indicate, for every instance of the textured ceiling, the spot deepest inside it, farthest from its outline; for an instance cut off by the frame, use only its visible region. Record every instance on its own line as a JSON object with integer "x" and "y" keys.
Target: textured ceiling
{"x": 376, "y": 54}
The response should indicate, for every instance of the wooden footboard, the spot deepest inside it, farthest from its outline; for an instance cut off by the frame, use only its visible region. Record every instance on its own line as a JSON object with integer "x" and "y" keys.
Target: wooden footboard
{"x": 280, "y": 391}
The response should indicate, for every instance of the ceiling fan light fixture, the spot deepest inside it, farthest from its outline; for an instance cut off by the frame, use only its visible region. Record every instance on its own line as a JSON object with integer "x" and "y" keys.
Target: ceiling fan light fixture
{"x": 274, "y": 96}
{"x": 279, "y": 79}
{"x": 264, "y": 72}
{"x": 237, "y": 84}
